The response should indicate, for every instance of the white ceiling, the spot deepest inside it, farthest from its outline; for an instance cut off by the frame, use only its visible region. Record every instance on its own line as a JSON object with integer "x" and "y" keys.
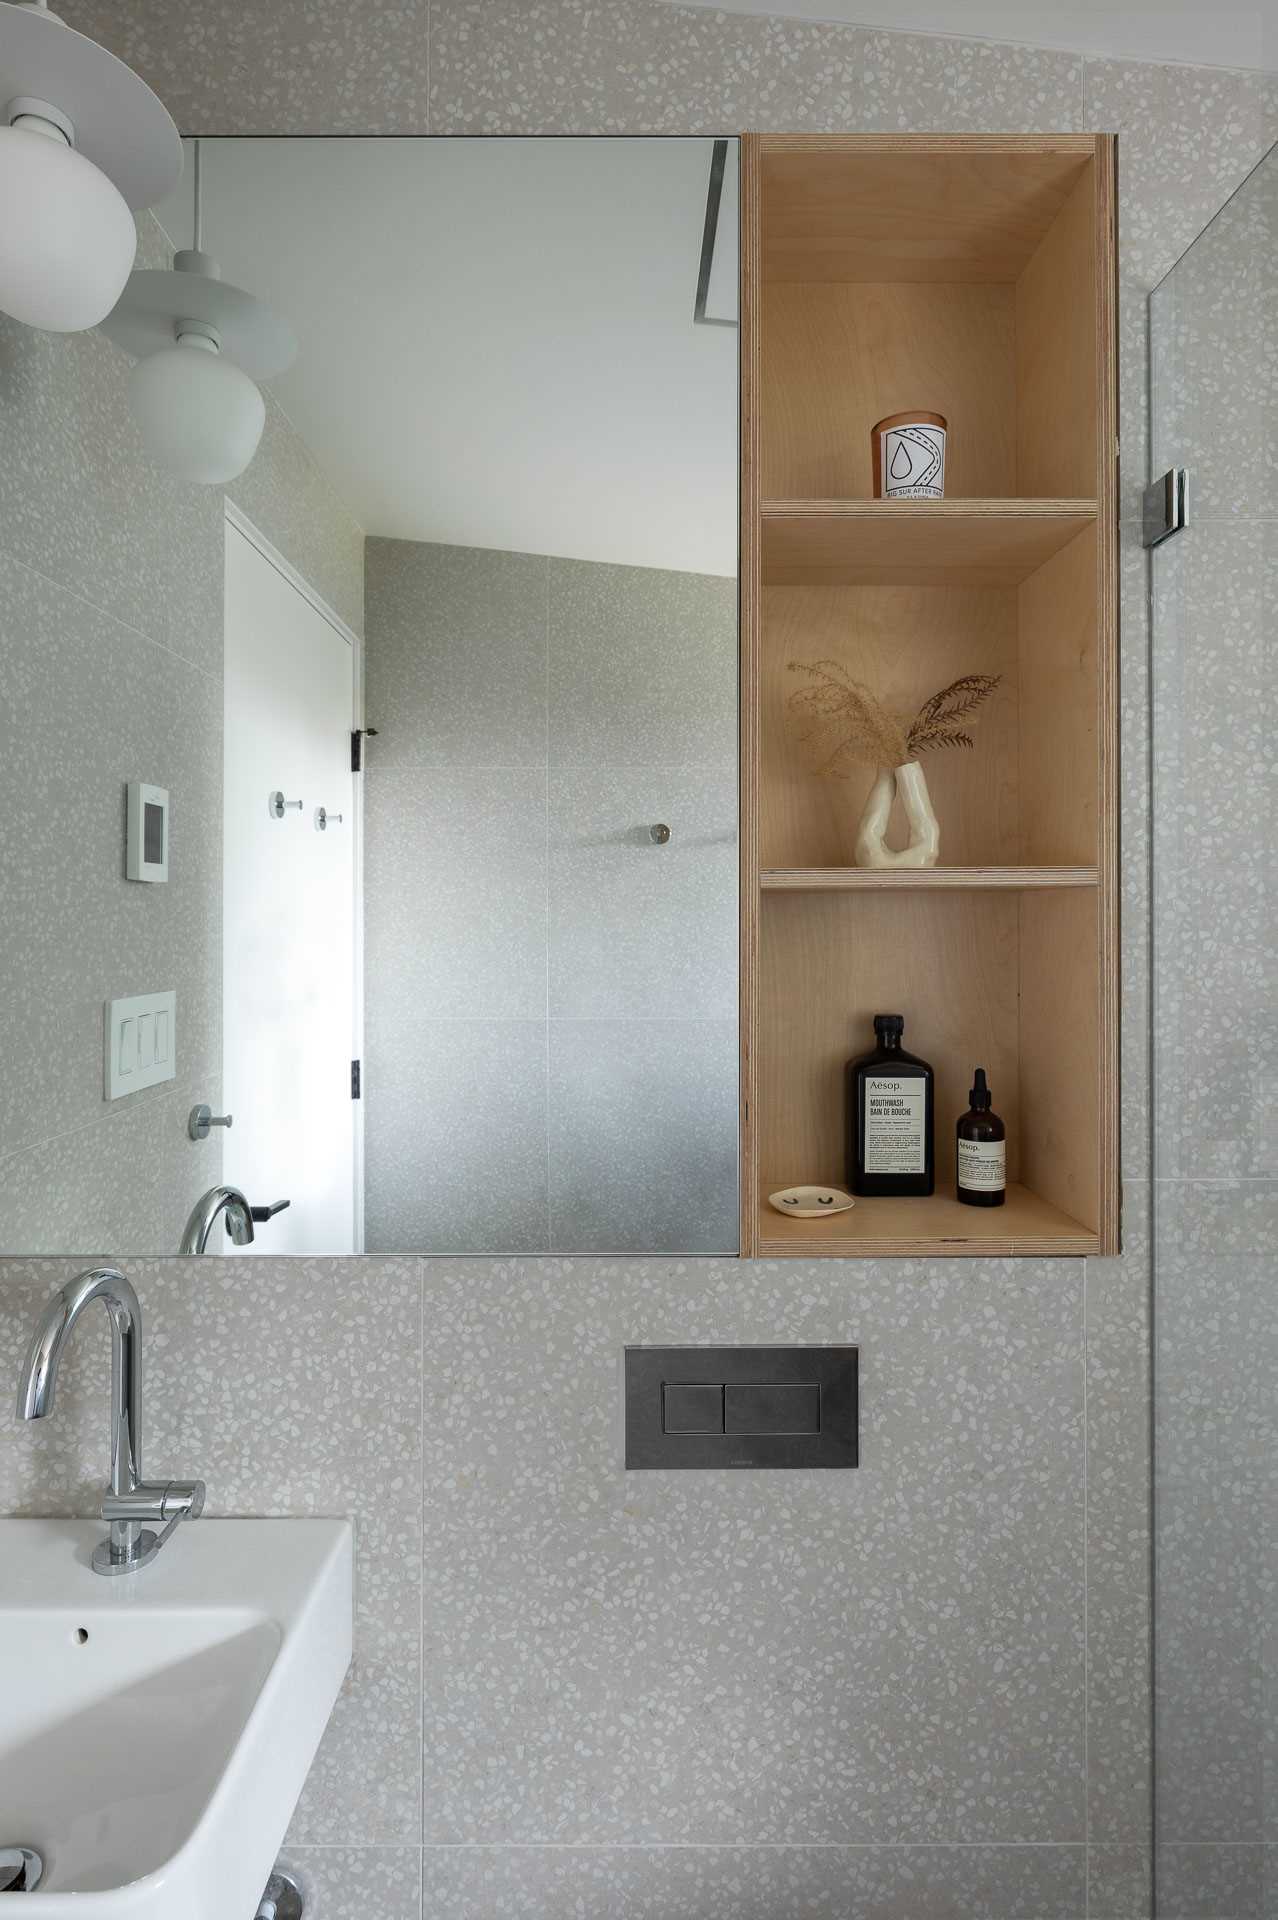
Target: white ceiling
{"x": 1219, "y": 33}
{"x": 497, "y": 345}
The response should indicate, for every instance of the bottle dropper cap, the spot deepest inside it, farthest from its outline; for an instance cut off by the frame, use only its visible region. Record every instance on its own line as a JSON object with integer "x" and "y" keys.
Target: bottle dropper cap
{"x": 979, "y": 1097}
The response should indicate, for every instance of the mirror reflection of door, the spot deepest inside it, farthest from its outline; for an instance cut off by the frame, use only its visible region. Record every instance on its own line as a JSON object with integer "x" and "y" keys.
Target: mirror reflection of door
{"x": 288, "y": 906}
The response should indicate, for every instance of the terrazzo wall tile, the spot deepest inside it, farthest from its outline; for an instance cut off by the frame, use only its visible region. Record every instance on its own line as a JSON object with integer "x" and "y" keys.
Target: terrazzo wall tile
{"x": 1119, "y": 1883}
{"x": 304, "y": 66}
{"x": 289, "y": 498}
{"x": 435, "y": 613}
{"x": 642, "y": 667}
{"x": 1214, "y": 714}
{"x": 736, "y": 1883}
{"x": 894, "y": 1653}
{"x": 130, "y": 1180}
{"x": 645, "y": 67}
{"x": 537, "y": 717}
{"x": 455, "y": 892}
{"x": 1212, "y": 1882}
{"x": 81, "y": 692}
{"x": 638, "y": 929}
{"x": 455, "y": 1133}
{"x": 142, "y": 547}
{"x": 1215, "y": 122}
{"x": 642, "y": 1135}
{"x": 355, "y": 1883}
{"x": 1118, "y": 1587}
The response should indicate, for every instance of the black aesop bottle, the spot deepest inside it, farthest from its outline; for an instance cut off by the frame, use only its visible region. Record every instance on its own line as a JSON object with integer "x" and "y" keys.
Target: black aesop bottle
{"x": 890, "y": 1098}
{"x": 980, "y": 1168}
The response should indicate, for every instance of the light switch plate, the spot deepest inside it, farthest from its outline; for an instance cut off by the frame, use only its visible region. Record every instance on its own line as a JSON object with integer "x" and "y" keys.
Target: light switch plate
{"x": 140, "y": 1042}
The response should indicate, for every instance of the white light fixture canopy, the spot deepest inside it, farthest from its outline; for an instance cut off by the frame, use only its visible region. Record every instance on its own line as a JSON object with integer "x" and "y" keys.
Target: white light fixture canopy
{"x": 199, "y": 344}
{"x": 119, "y": 124}
{"x": 155, "y": 303}
{"x": 82, "y": 142}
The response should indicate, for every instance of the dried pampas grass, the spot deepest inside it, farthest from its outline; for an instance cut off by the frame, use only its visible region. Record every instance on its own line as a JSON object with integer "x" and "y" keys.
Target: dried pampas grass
{"x": 841, "y": 725}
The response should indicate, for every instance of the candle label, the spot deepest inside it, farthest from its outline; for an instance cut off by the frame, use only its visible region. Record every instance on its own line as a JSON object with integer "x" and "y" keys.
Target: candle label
{"x": 913, "y": 463}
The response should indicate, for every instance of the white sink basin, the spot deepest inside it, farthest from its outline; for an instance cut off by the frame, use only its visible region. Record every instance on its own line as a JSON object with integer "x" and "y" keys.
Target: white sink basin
{"x": 156, "y": 1730}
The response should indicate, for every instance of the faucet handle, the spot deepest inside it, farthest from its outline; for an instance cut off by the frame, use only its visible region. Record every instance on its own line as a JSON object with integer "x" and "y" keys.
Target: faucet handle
{"x": 172, "y": 1501}
{"x": 267, "y": 1213}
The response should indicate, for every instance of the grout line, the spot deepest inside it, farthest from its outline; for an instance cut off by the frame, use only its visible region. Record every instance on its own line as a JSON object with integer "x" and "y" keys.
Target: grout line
{"x": 147, "y": 1097}
{"x": 125, "y": 626}
{"x": 755, "y": 1846}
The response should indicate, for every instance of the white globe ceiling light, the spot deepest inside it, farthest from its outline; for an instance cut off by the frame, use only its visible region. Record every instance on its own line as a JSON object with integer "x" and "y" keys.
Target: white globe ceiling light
{"x": 200, "y": 344}
{"x": 82, "y": 141}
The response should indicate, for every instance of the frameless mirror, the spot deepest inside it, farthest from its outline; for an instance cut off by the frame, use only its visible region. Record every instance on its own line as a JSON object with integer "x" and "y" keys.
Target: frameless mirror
{"x": 370, "y": 822}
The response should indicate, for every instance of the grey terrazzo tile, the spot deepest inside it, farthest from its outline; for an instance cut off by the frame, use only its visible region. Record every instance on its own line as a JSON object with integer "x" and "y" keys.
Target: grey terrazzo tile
{"x": 754, "y": 1883}
{"x": 1214, "y": 712}
{"x": 455, "y": 882}
{"x": 1134, "y": 866}
{"x": 638, "y": 66}
{"x": 81, "y": 502}
{"x": 1216, "y": 122}
{"x": 1118, "y": 1485}
{"x": 455, "y": 664}
{"x": 289, "y": 498}
{"x": 361, "y": 1883}
{"x": 656, "y": 1657}
{"x": 1214, "y": 369}
{"x": 1119, "y": 1883}
{"x": 638, "y": 929}
{"x": 643, "y": 667}
{"x": 921, "y": 83}
{"x": 1212, "y": 1882}
{"x": 455, "y": 1141}
{"x": 303, "y": 66}
{"x": 86, "y": 705}
{"x": 642, "y": 1124}
{"x": 128, "y": 1180}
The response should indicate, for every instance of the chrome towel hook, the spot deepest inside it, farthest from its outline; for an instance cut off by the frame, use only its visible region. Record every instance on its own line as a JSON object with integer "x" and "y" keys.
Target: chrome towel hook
{"x": 277, "y": 806}
{"x": 323, "y": 818}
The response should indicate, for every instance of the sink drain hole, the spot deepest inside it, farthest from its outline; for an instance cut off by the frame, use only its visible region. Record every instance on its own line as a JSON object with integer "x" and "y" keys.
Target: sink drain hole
{"x": 21, "y": 1869}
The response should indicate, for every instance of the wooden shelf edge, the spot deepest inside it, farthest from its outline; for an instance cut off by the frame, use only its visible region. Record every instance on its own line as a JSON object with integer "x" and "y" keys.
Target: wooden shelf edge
{"x": 898, "y": 1229}
{"x": 923, "y": 879}
{"x": 952, "y": 509}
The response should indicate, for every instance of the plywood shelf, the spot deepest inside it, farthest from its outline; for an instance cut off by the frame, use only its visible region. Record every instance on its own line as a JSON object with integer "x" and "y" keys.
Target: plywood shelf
{"x": 923, "y": 879}
{"x": 972, "y": 276}
{"x": 933, "y": 1227}
{"x": 963, "y": 543}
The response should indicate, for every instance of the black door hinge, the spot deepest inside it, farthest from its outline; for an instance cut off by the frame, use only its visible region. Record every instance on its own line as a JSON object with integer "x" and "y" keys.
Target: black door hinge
{"x": 357, "y": 746}
{"x": 355, "y": 1078}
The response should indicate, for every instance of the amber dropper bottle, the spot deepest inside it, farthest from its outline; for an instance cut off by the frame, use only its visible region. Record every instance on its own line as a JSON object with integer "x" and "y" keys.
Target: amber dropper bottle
{"x": 980, "y": 1170}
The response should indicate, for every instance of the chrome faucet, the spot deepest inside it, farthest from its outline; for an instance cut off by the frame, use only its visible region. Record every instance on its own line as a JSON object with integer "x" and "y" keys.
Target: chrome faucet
{"x": 129, "y": 1500}
{"x": 239, "y": 1218}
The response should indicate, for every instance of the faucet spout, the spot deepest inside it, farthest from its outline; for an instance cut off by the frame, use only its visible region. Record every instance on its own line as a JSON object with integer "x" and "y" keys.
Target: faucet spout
{"x": 130, "y": 1500}
{"x": 37, "y": 1384}
{"x": 239, "y": 1219}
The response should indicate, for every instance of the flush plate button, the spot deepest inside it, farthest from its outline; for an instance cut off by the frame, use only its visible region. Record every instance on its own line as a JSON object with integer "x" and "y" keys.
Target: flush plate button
{"x": 741, "y": 1406}
{"x": 691, "y": 1407}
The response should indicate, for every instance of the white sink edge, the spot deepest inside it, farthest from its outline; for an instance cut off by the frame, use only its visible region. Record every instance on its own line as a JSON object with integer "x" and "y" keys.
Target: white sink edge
{"x": 221, "y": 1869}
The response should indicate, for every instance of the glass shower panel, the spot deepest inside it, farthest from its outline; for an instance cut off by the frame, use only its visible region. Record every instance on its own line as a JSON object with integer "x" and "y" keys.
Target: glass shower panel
{"x": 1214, "y": 586}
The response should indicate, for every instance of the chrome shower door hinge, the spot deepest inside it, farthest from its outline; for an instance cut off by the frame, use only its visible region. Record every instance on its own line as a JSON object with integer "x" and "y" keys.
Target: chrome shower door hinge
{"x": 1166, "y": 506}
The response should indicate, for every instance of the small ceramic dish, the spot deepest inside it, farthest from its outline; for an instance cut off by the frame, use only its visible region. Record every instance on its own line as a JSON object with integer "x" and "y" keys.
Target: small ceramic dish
{"x": 809, "y": 1203}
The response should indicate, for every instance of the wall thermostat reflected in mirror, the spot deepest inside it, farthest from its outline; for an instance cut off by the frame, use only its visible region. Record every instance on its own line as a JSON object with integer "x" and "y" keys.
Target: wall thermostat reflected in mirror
{"x": 147, "y": 856}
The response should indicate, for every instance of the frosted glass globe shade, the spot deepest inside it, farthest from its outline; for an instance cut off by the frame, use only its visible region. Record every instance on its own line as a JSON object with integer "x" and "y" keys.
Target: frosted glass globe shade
{"x": 200, "y": 415}
{"x": 67, "y": 238}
